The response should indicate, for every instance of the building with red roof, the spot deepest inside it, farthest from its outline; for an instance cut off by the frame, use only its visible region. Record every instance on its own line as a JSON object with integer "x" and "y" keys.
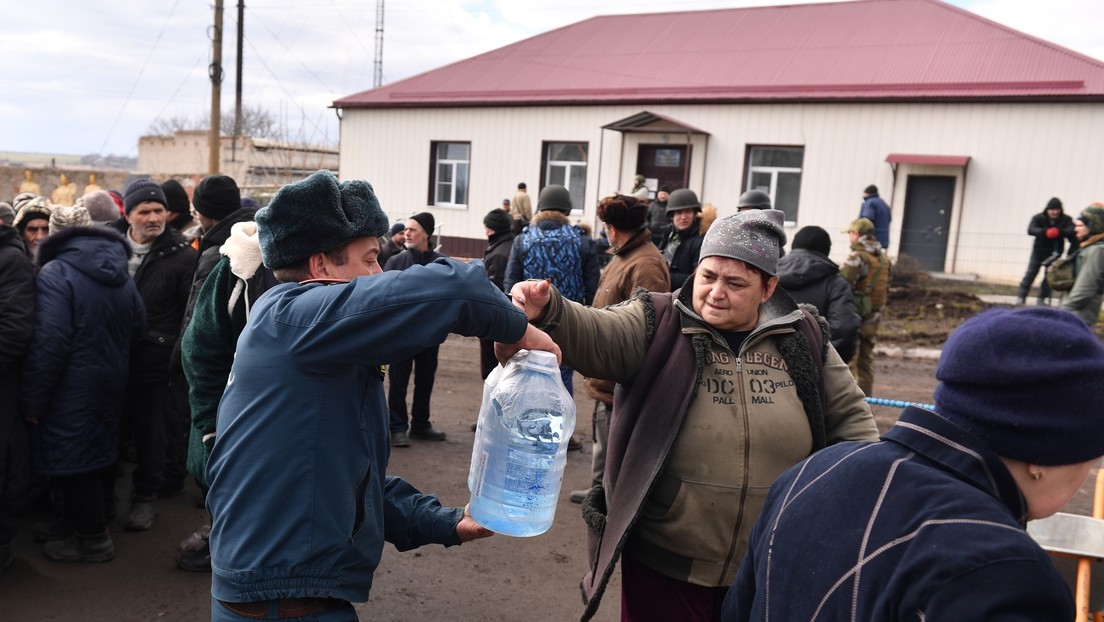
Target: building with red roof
{"x": 966, "y": 126}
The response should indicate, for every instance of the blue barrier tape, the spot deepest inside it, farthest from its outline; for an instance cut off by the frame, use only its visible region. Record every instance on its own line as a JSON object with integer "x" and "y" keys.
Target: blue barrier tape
{"x": 877, "y": 401}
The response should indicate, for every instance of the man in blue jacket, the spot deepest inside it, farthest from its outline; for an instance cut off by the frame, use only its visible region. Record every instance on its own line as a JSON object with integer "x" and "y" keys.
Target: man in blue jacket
{"x": 877, "y": 210}
{"x": 299, "y": 495}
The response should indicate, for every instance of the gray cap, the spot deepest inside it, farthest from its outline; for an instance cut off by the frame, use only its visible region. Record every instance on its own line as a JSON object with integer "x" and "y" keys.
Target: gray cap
{"x": 753, "y": 237}
{"x": 7, "y": 214}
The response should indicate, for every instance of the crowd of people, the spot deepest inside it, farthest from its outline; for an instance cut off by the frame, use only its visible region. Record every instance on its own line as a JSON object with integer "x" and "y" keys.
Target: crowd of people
{"x": 195, "y": 333}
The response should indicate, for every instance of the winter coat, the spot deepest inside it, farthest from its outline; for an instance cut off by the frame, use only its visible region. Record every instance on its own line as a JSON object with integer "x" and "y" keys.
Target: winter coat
{"x": 300, "y": 498}
{"x": 411, "y": 257}
{"x": 1088, "y": 287}
{"x": 1042, "y": 247}
{"x": 549, "y": 220}
{"x": 164, "y": 281}
{"x": 17, "y": 305}
{"x": 209, "y": 341}
{"x": 17, "y": 314}
{"x": 659, "y": 223}
{"x": 209, "y": 244}
{"x": 75, "y": 374}
{"x": 497, "y": 255}
{"x": 689, "y": 433}
{"x": 682, "y": 250}
{"x": 388, "y": 249}
{"x": 875, "y": 209}
{"x": 812, "y": 278}
{"x": 927, "y": 524}
{"x": 635, "y": 265}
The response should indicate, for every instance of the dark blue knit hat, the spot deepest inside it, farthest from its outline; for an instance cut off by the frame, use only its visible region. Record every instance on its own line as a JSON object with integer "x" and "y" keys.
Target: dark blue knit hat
{"x": 315, "y": 215}
{"x": 1028, "y": 382}
{"x": 141, "y": 191}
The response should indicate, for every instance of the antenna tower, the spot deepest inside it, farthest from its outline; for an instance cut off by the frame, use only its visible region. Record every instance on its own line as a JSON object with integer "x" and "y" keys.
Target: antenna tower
{"x": 377, "y": 78}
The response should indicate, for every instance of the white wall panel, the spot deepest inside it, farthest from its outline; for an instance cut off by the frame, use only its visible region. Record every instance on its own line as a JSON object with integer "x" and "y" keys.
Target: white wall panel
{"x": 1021, "y": 155}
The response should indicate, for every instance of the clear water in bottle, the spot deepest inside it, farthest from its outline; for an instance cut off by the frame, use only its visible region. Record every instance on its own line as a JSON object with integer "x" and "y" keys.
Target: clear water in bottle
{"x": 521, "y": 448}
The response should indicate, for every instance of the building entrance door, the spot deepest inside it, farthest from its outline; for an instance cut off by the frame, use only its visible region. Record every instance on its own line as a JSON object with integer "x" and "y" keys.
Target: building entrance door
{"x": 928, "y": 202}
{"x": 669, "y": 165}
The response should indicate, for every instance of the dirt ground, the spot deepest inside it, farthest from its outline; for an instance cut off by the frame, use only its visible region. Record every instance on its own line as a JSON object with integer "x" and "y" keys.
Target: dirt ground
{"x": 500, "y": 578}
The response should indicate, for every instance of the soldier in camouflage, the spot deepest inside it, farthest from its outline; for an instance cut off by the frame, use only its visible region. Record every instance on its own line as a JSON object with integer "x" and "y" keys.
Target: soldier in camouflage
{"x": 867, "y": 270}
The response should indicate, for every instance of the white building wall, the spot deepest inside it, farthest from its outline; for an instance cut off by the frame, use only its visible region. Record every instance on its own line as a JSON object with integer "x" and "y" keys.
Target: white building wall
{"x": 1021, "y": 155}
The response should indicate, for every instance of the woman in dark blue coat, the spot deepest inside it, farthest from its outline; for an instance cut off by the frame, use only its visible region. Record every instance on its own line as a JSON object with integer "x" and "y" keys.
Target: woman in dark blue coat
{"x": 74, "y": 377}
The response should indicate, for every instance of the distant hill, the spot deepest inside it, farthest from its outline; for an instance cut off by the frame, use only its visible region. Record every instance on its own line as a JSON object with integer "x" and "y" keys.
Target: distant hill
{"x": 43, "y": 160}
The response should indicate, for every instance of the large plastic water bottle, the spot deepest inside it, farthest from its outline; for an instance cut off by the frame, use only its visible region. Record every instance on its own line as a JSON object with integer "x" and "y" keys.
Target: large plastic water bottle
{"x": 521, "y": 447}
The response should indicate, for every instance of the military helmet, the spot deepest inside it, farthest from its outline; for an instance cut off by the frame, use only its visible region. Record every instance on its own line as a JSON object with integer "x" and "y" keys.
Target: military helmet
{"x": 683, "y": 198}
{"x": 754, "y": 199}
{"x": 554, "y": 197}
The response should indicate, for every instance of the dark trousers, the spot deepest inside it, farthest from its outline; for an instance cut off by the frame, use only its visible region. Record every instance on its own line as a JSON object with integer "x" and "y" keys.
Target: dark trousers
{"x": 177, "y": 428}
{"x": 1033, "y": 266}
{"x": 147, "y": 407}
{"x": 87, "y": 498}
{"x": 424, "y": 366}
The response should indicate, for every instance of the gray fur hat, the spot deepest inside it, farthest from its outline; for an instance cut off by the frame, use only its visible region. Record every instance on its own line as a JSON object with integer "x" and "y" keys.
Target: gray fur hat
{"x": 753, "y": 237}
{"x": 315, "y": 215}
{"x": 101, "y": 207}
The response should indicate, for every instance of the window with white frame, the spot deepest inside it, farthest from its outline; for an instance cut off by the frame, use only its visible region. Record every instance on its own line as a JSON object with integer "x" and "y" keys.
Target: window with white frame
{"x": 565, "y": 164}
{"x": 449, "y": 172}
{"x": 777, "y": 171}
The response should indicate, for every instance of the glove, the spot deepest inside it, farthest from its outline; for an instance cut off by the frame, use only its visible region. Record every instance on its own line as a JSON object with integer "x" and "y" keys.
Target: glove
{"x": 1052, "y": 233}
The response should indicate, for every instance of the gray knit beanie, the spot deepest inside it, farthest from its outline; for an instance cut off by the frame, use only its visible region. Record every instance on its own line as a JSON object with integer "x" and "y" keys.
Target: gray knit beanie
{"x": 753, "y": 237}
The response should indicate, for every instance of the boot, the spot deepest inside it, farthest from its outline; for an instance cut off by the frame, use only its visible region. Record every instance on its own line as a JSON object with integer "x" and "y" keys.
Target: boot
{"x": 140, "y": 517}
{"x": 81, "y": 549}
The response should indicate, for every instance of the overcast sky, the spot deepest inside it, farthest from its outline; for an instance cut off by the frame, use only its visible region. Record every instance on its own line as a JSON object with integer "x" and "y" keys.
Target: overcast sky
{"x": 91, "y": 77}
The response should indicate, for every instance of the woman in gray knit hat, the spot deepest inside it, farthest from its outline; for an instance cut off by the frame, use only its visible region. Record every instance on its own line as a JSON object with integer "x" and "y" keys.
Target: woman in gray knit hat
{"x": 725, "y": 383}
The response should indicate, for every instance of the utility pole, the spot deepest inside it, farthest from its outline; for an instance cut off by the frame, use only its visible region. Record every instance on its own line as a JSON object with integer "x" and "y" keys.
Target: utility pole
{"x": 377, "y": 79}
{"x": 215, "y": 71}
{"x": 238, "y": 85}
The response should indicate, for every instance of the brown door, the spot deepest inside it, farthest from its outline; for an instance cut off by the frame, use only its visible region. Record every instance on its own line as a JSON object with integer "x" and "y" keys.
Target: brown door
{"x": 669, "y": 164}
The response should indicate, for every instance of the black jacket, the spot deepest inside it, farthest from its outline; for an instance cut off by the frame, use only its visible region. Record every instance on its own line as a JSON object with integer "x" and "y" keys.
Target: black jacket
{"x": 164, "y": 280}
{"x": 497, "y": 255}
{"x": 410, "y": 257}
{"x": 1044, "y": 246}
{"x": 812, "y": 278}
{"x": 682, "y": 249}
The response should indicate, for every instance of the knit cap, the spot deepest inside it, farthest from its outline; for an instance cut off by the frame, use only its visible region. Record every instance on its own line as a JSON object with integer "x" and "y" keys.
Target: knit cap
{"x": 315, "y": 215}
{"x": 7, "y": 214}
{"x": 497, "y": 220}
{"x": 1054, "y": 203}
{"x": 141, "y": 191}
{"x": 216, "y": 197}
{"x": 27, "y": 210}
{"x": 176, "y": 197}
{"x": 65, "y": 217}
{"x": 813, "y": 238}
{"x": 753, "y": 237}
{"x": 1093, "y": 218}
{"x": 396, "y": 228}
{"x": 425, "y": 219}
{"x": 1027, "y": 382}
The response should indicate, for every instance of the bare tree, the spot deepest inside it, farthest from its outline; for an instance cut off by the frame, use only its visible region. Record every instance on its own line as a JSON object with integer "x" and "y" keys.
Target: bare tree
{"x": 256, "y": 122}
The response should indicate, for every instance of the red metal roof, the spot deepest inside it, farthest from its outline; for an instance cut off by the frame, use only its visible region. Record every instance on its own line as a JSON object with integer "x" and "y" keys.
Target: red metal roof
{"x": 916, "y": 158}
{"x": 884, "y": 50}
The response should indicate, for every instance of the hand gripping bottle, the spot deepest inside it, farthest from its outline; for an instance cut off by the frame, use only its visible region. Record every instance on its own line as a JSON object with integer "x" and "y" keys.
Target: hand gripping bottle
{"x": 520, "y": 447}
